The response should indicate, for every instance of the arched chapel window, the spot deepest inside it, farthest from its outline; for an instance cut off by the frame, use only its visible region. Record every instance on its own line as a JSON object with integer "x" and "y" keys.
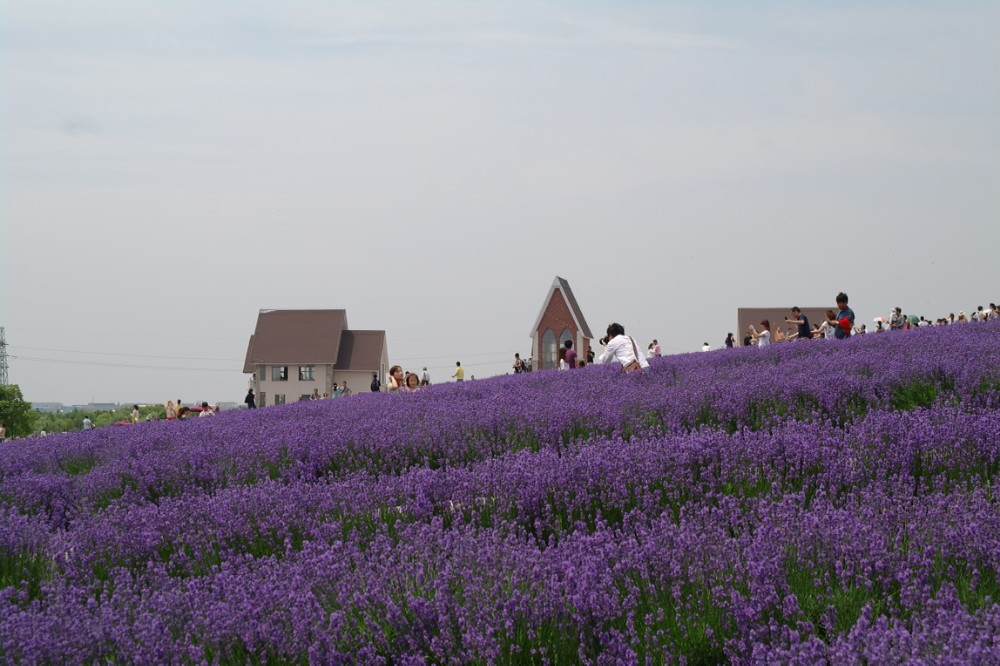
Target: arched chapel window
{"x": 550, "y": 350}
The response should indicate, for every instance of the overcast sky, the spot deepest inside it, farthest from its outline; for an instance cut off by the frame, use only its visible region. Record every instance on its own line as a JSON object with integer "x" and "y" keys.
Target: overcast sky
{"x": 170, "y": 168}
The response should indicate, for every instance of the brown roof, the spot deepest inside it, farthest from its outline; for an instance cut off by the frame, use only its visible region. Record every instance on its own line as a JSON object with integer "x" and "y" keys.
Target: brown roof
{"x": 296, "y": 337}
{"x": 247, "y": 365}
{"x": 360, "y": 350}
{"x": 574, "y": 307}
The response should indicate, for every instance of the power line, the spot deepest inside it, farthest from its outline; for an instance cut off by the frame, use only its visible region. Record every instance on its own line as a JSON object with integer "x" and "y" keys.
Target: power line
{"x": 176, "y": 358}
{"x": 164, "y": 367}
{"x": 122, "y": 365}
{"x": 124, "y": 335}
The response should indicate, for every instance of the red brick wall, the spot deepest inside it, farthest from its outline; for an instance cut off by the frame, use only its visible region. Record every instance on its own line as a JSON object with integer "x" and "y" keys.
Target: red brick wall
{"x": 557, "y": 318}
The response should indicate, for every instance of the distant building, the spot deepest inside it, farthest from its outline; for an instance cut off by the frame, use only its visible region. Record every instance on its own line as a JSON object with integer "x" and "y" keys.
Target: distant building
{"x": 101, "y": 406}
{"x": 776, "y": 317}
{"x": 47, "y": 407}
{"x": 560, "y": 319}
{"x": 292, "y": 352}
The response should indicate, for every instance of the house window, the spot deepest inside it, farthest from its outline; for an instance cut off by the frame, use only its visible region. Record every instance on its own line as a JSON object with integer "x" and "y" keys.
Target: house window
{"x": 279, "y": 373}
{"x": 279, "y": 398}
{"x": 566, "y": 335}
{"x": 307, "y": 373}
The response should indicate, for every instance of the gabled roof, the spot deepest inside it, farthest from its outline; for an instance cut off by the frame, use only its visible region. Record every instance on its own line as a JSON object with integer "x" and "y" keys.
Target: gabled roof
{"x": 562, "y": 286}
{"x": 361, "y": 350}
{"x": 247, "y": 365}
{"x": 296, "y": 337}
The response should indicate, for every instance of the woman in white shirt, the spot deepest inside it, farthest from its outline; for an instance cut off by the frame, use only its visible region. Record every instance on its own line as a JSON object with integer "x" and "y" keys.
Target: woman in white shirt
{"x": 828, "y": 330}
{"x": 622, "y": 349}
{"x": 763, "y": 338}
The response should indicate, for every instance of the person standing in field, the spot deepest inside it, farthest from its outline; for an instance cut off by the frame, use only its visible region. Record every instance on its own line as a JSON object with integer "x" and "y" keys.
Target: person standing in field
{"x": 763, "y": 338}
{"x": 87, "y": 424}
{"x": 395, "y": 378}
{"x": 459, "y": 375}
{"x": 3, "y": 433}
{"x": 250, "y": 400}
{"x": 172, "y": 410}
{"x": 570, "y": 355}
{"x": 425, "y": 377}
{"x": 845, "y": 318}
{"x": 135, "y": 414}
{"x": 896, "y": 320}
{"x": 802, "y": 322}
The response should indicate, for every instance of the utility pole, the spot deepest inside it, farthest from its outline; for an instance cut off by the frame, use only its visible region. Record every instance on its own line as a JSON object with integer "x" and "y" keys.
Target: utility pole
{"x": 3, "y": 358}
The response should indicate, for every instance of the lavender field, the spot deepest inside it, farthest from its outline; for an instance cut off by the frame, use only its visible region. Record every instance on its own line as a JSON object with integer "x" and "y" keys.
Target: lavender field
{"x": 819, "y": 502}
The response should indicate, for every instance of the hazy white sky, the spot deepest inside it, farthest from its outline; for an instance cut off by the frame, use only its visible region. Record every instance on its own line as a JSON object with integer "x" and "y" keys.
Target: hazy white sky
{"x": 170, "y": 168}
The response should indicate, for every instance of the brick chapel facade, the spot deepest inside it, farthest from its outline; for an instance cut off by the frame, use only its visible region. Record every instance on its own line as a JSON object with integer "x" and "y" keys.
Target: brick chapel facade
{"x": 559, "y": 320}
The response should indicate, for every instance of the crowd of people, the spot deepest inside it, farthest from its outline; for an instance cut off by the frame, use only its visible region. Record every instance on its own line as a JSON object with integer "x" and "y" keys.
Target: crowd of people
{"x": 621, "y": 349}
{"x": 841, "y": 324}
{"x": 404, "y": 381}
{"x": 178, "y": 411}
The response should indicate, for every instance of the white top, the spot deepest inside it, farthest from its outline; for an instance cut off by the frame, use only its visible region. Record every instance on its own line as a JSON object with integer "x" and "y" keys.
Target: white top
{"x": 764, "y": 338}
{"x": 706, "y": 347}
{"x": 620, "y": 349}
{"x": 829, "y": 332}
{"x": 207, "y": 412}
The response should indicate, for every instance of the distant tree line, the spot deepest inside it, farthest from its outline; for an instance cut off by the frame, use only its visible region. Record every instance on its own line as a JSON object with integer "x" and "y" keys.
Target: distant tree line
{"x": 20, "y": 420}
{"x": 69, "y": 421}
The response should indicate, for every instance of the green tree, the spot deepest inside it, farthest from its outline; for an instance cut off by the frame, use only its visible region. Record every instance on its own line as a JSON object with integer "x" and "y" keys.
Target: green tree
{"x": 15, "y": 413}
{"x": 72, "y": 420}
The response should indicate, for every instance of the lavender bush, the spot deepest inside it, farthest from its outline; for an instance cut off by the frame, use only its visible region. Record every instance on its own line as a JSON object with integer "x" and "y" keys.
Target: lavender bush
{"x": 828, "y": 501}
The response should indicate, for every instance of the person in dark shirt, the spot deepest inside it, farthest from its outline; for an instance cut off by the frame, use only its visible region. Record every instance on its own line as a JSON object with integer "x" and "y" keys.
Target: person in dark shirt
{"x": 802, "y": 321}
